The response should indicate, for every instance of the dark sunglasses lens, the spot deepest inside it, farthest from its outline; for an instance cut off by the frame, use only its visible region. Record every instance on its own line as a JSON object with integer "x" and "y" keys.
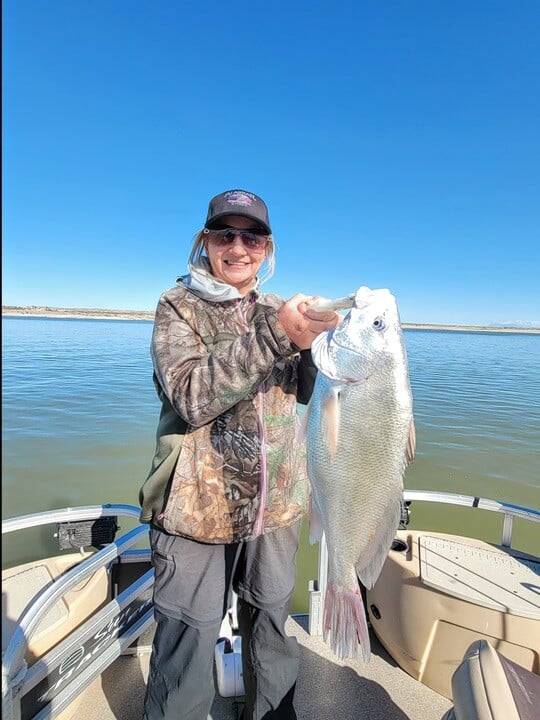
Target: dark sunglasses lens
{"x": 250, "y": 240}
{"x": 253, "y": 241}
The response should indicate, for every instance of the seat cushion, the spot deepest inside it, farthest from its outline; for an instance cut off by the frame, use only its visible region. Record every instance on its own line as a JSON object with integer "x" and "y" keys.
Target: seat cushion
{"x": 488, "y": 686}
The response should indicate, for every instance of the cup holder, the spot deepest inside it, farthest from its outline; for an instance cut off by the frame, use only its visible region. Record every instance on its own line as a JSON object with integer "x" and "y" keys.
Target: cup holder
{"x": 399, "y": 545}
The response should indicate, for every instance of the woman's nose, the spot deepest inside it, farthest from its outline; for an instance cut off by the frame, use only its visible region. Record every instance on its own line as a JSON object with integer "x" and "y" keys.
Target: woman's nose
{"x": 237, "y": 244}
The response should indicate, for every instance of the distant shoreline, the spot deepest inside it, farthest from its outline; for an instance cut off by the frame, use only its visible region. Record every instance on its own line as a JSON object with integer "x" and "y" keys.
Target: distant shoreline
{"x": 102, "y": 314}
{"x": 76, "y": 313}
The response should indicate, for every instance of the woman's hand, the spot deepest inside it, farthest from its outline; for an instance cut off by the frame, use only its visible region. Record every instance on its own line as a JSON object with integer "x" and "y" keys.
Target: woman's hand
{"x": 303, "y": 324}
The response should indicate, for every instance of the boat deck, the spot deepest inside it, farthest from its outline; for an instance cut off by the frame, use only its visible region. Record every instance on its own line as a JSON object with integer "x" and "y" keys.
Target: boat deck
{"x": 85, "y": 640}
{"x": 327, "y": 688}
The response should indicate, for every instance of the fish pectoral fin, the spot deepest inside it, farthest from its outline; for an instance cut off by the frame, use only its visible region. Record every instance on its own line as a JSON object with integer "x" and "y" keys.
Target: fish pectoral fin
{"x": 330, "y": 420}
{"x": 316, "y": 527}
{"x": 302, "y": 430}
{"x": 411, "y": 444}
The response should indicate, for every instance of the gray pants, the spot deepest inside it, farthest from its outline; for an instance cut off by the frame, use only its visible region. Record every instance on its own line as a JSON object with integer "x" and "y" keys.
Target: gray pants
{"x": 191, "y": 596}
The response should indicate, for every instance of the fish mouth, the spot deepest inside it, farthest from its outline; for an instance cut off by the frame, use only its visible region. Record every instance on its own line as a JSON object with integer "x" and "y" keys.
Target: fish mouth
{"x": 340, "y": 337}
{"x": 332, "y": 372}
{"x": 348, "y": 348}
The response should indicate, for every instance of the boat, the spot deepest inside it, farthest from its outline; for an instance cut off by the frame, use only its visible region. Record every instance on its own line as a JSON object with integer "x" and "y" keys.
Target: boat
{"x": 454, "y": 621}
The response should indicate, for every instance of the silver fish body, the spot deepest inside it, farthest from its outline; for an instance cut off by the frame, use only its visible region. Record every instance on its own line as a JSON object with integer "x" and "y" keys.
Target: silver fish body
{"x": 360, "y": 438}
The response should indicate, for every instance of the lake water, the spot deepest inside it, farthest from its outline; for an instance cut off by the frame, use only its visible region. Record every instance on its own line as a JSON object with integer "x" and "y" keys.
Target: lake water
{"x": 80, "y": 412}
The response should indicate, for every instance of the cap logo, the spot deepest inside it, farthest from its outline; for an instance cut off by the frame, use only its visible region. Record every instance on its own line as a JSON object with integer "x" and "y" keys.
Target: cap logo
{"x": 240, "y": 198}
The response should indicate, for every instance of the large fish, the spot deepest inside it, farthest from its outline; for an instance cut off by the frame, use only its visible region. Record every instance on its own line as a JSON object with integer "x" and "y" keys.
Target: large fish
{"x": 360, "y": 438}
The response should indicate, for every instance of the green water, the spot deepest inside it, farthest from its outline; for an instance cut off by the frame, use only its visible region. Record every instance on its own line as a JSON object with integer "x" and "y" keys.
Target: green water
{"x": 80, "y": 412}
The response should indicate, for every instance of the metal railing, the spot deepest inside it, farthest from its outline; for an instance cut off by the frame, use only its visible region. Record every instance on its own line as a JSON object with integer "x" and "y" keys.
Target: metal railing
{"x": 64, "y": 671}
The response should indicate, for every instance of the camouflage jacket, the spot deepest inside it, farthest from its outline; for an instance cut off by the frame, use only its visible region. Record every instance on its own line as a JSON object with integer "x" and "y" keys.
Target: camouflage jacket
{"x": 228, "y": 465}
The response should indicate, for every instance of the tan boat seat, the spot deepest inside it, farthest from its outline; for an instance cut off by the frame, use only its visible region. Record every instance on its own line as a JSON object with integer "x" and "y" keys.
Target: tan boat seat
{"x": 20, "y": 587}
{"x": 488, "y": 686}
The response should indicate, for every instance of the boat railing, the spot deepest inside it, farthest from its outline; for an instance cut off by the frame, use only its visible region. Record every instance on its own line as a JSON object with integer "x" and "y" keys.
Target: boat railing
{"x": 55, "y": 679}
{"x": 69, "y": 514}
{"x": 509, "y": 511}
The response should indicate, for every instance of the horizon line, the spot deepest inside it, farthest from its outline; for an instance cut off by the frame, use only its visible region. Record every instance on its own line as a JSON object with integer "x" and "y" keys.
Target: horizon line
{"x": 49, "y": 311}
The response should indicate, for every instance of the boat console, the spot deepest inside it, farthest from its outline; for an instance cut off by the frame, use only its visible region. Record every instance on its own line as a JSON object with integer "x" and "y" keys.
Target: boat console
{"x": 442, "y": 592}
{"x": 438, "y": 593}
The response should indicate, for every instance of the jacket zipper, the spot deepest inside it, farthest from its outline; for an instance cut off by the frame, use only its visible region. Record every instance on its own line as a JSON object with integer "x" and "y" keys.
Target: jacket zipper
{"x": 259, "y": 522}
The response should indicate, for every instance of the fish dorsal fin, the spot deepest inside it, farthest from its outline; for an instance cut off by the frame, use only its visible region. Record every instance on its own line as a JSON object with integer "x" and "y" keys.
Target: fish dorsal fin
{"x": 411, "y": 443}
{"x": 331, "y": 409}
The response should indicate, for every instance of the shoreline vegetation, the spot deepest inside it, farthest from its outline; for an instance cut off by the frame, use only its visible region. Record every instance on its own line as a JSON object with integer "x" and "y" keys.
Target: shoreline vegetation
{"x": 103, "y": 314}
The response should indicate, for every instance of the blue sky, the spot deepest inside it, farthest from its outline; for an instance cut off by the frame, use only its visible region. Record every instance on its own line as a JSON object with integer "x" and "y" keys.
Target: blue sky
{"x": 396, "y": 143}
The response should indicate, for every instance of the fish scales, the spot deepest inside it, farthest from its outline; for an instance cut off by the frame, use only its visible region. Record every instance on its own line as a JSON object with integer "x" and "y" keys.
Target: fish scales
{"x": 360, "y": 439}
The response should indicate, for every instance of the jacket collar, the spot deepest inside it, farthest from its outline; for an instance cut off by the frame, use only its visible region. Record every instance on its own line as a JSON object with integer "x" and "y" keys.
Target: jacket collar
{"x": 202, "y": 283}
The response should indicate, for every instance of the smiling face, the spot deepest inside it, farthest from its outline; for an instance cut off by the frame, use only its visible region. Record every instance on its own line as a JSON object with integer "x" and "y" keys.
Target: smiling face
{"x": 234, "y": 263}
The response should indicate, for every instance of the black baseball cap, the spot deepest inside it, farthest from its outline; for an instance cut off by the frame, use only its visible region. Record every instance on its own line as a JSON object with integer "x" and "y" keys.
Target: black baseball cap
{"x": 238, "y": 202}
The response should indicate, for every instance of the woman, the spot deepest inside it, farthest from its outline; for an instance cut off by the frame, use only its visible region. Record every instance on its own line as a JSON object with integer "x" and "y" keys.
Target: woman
{"x": 227, "y": 487}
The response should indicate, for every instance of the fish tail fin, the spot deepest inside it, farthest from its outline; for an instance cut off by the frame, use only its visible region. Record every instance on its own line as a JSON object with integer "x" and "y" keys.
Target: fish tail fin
{"x": 344, "y": 622}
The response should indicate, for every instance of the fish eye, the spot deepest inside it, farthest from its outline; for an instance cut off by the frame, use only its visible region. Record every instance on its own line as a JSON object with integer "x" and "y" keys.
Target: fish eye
{"x": 379, "y": 324}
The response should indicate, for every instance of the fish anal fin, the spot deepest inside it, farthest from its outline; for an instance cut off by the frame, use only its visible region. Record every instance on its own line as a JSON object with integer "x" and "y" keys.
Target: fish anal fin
{"x": 369, "y": 565}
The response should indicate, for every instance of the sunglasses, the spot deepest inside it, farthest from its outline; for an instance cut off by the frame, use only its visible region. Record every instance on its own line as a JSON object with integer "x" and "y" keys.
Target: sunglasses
{"x": 225, "y": 237}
